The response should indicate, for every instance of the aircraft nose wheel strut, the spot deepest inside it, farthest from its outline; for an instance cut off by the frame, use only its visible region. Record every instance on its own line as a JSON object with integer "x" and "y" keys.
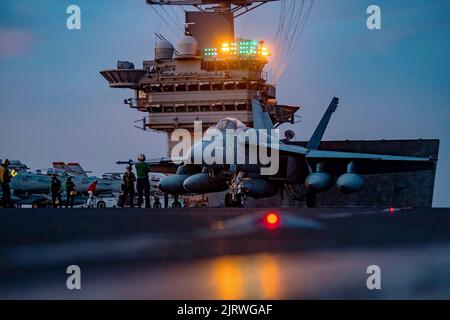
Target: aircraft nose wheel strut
{"x": 234, "y": 201}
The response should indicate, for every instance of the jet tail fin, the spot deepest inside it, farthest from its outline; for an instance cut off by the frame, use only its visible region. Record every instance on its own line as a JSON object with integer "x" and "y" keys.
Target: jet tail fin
{"x": 60, "y": 165}
{"x": 261, "y": 118}
{"x": 75, "y": 167}
{"x": 316, "y": 138}
{"x": 72, "y": 167}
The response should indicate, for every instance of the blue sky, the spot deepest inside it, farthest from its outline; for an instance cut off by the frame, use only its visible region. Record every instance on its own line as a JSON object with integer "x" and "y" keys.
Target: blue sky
{"x": 393, "y": 83}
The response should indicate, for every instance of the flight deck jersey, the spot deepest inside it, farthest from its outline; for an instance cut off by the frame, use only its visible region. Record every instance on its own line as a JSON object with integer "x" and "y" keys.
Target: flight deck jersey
{"x": 5, "y": 175}
{"x": 142, "y": 169}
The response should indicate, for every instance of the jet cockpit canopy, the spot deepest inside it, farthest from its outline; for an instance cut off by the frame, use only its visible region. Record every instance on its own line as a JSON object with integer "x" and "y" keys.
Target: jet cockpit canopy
{"x": 230, "y": 123}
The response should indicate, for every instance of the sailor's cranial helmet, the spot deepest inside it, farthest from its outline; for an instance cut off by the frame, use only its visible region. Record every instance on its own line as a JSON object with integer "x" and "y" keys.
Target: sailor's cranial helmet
{"x": 289, "y": 134}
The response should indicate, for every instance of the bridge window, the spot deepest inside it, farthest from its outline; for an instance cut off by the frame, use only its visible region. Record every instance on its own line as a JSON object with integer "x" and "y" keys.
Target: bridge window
{"x": 217, "y": 86}
{"x": 230, "y": 107}
{"x": 193, "y": 87}
{"x": 217, "y": 108}
{"x": 169, "y": 88}
{"x": 241, "y": 85}
{"x": 155, "y": 88}
{"x": 192, "y": 108}
{"x": 205, "y": 87}
{"x": 230, "y": 86}
{"x": 180, "y": 108}
{"x": 180, "y": 87}
{"x": 241, "y": 107}
{"x": 205, "y": 108}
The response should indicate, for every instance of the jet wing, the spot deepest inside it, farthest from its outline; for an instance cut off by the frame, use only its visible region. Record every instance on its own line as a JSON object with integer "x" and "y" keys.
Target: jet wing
{"x": 335, "y": 162}
{"x": 318, "y": 154}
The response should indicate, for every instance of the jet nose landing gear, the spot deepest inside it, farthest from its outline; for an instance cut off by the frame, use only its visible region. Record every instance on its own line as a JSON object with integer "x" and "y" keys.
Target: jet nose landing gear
{"x": 234, "y": 200}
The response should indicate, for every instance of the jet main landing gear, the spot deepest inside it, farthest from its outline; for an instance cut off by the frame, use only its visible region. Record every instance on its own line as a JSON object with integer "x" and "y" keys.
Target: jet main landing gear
{"x": 236, "y": 201}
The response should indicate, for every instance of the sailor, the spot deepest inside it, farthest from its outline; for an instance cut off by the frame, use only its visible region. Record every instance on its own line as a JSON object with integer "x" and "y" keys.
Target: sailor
{"x": 70, "y": 190}
{"x": 55, "y": 189}
{"x": 143, "y": 182}
{"x": 5, "y": 179}
{"x": 128, "y": 186}
{"x": 92, "y": 190}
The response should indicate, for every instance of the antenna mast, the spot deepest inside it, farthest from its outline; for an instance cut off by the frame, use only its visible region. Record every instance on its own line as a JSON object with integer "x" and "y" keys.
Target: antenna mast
{"x": 237, "y": 7}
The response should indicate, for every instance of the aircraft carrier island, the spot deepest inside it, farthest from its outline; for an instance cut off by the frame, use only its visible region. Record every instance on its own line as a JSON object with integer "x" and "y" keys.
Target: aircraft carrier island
{"x": 210, "y": 75}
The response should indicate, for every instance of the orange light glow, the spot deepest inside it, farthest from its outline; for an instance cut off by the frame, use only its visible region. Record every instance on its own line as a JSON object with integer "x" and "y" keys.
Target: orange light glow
{"x": 272, "y": 218}
{"x": 228, "y": 278}
{"x": 225, "y": 47}
{"x": 254, "y": 277}
{"x": 264, "y": 51}
{"x": 270, "y": 278}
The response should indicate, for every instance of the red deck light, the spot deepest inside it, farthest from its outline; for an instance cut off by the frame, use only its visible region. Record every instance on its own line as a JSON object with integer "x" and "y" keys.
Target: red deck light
{"x": 272, "y": 220}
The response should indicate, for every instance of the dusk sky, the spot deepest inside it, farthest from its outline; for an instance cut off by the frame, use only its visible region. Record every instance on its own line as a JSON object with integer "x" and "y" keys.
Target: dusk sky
{"x": 393, "y": 83}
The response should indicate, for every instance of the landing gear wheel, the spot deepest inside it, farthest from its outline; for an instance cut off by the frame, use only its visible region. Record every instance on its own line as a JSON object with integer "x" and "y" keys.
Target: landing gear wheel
{"x": 228, "y": 200}
{"x": 101, "y": 204}
{"x": 157, "y": 205}
{"x": 237, "y": 203}
{"x": 311, "y": 200}
{"x": 176, "y": 204}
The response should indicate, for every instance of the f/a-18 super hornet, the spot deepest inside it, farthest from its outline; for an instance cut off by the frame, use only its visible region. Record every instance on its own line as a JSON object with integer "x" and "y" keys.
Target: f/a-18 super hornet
{"x": 315, "y": 170}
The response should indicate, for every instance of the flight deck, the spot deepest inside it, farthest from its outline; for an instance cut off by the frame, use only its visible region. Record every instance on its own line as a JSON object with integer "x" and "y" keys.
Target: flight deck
{"x": 283, "y": 253}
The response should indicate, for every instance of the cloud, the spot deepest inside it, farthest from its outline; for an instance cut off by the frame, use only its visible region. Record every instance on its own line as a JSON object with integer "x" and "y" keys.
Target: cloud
{"x": 15, "y": 42}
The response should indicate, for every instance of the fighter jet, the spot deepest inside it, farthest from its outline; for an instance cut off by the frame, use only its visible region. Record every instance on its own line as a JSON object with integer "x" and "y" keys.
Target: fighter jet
{"x": 109, "y": 183}
{"x": 308, "y": 166}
